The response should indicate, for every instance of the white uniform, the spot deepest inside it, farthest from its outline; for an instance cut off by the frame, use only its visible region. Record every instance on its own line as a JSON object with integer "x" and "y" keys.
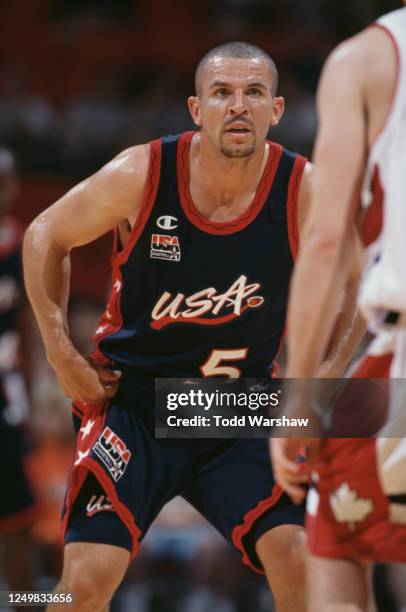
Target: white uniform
{"x": 384, "y": 287}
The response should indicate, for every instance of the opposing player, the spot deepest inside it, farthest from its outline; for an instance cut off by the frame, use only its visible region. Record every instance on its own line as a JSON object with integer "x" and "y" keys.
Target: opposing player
{"x": 356, "y": 513}
{"x": 206, "y": 233}
{"x": 18, "y": 506}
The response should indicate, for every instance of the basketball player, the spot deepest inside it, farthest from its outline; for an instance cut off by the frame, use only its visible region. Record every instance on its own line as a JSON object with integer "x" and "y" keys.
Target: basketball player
{"x": 18, "y": 507}
{"x": 356, "y": 513}
{"x": 206, "y": 232}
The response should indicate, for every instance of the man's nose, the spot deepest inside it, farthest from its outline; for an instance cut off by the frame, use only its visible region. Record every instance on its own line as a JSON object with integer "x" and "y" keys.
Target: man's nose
{"x": 238, "y": 103}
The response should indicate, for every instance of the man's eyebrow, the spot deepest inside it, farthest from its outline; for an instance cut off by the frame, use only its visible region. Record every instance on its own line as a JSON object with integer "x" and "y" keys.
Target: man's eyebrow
{"x": 225, "y": 84}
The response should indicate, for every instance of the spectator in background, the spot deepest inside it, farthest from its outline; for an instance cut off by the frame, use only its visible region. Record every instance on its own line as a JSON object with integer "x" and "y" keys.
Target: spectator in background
{"x": 18, "y": 507}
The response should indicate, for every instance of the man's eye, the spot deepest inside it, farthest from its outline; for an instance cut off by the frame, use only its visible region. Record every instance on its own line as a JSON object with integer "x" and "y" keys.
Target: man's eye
{"x": 254, "y": 92}
{"x": 222, "y": 92}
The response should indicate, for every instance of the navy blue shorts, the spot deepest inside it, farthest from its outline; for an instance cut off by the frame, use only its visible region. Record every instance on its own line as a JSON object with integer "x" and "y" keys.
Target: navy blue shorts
{"x": 121, "y": 477}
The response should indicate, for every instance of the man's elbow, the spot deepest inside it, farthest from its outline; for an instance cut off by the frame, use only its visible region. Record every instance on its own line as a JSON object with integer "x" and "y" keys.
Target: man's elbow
{"x": 327, "y": 246}
{"x": 40, "y": 237}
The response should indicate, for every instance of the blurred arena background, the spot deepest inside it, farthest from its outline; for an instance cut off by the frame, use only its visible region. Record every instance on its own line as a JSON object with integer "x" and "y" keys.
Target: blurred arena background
{"x": 81, "y": 80}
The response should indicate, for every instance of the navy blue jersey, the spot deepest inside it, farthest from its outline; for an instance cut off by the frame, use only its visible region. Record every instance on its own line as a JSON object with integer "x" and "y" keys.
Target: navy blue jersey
{"x": 191, "y": 297}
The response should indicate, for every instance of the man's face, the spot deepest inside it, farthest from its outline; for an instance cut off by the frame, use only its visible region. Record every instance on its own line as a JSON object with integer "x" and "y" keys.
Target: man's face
{"x": 235, "y": 106}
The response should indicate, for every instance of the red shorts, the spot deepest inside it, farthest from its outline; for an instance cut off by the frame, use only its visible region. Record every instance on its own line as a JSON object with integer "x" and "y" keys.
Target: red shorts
{"x": 349, "y": 516}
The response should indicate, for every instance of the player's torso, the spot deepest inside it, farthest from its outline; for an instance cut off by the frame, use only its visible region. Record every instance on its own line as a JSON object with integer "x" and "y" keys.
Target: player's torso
{"x": 194, "y": 298}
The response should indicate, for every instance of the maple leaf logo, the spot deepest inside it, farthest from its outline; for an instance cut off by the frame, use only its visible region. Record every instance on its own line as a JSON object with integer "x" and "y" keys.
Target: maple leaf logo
{"x": 347, "y": 507}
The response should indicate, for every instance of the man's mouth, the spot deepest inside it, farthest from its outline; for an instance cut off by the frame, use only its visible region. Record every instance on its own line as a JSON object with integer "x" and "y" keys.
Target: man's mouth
{"x": 238, "y": 129}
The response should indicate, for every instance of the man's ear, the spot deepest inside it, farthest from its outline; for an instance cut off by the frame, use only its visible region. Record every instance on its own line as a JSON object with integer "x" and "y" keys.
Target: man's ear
{"x": 278, "y": 110}
{"x": 194, "y": 108}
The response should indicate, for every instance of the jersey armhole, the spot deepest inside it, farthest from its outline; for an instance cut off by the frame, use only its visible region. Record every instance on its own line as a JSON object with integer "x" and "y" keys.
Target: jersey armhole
{"x": 395, "y": 45}
{"x": 151, "y": 189}
{"x": 292, "y": 207}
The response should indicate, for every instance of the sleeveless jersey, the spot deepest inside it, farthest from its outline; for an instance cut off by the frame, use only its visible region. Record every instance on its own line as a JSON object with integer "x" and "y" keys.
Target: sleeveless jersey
{"x": 384, "y": 195}
{"x": 194, "y": 298}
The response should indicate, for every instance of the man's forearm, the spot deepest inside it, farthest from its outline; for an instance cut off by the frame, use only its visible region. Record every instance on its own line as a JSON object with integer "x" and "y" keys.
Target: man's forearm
{"x": 46, "y": 275}
{"x": 348, "y": 331}
{"x": 316, "y": 294}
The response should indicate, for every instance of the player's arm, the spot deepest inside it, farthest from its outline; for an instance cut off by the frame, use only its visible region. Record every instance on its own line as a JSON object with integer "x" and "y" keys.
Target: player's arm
{"x": 348, "y": 324}
{"x": 105, "y": 200}
{"x": 328, "y": 248}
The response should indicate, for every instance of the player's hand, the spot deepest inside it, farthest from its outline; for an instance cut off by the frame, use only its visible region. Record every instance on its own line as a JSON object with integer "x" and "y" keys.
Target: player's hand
{"x": 300, "y": 402}
{"x": 289, "y": 473}
{"x": 83, "y": 380}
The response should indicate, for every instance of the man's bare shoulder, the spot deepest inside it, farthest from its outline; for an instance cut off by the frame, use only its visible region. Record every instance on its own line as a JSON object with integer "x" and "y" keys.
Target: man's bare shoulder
{"x": 129, "y": 168}
{"x": 362, "y": 56}
{"x": 119, "y": 185}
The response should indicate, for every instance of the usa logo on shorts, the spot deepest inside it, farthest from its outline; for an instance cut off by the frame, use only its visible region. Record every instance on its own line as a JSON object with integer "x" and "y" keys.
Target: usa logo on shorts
{"x": 113, "y": 452}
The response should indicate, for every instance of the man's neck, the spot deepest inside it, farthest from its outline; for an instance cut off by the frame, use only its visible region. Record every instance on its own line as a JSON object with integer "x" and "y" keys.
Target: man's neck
{"x": 223, "y": 187}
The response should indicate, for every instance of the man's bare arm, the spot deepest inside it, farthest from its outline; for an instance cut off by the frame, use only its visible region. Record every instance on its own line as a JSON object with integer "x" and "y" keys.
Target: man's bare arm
{"x": 328, "y": 247}
{"x": 348, "y": 326}
{"x": 101, "y": 202}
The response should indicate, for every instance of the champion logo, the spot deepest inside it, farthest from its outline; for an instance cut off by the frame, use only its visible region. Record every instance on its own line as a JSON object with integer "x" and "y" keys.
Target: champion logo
{"x": 167, "y": 222}
{"x": 197, "y": 307}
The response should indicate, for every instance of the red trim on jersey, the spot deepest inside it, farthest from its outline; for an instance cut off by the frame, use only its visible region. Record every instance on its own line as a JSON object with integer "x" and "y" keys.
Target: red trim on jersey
{"x": 253, "y": 515}
{"x": 20, "y": 520}
{"x": 395, "y": 89}
{"x": 150, "y": 192}
{"x": 77, "y": 411}
{"x": 112, "y": 320}
{"x": 371, "y": 223}
{"x": 230, "y": 227}
{"x": 292, "y": 205}
{"x": 374, "y": 366}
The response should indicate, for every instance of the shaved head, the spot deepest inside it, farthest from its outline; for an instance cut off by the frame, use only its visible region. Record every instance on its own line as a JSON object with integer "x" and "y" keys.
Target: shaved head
{"x": 238, "y": 50}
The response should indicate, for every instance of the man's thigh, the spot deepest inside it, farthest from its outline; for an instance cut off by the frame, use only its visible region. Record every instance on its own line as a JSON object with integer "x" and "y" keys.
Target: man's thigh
{"x": 336, "y": 585}
{"x": 91, "y": 574}
{"x": 236, "y": 491}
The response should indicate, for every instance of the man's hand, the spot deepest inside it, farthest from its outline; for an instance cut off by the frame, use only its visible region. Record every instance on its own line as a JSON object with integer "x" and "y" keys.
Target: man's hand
{"x": 289, "y": 473}
{"x": 83, "y": 380}
{"x": 303, "y": 398}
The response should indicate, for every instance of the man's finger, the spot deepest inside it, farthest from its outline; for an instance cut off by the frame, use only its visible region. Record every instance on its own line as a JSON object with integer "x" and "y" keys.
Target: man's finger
{"x": 110, "y": 390}
{"x": 294, "y": 478}
{"x": 108, "y": 375}
{"x": 281, "y": 462}
{"x": 296, "y": 493}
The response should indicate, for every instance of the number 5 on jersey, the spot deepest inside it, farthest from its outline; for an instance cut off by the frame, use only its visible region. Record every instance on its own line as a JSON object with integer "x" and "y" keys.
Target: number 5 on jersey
{"x": 213, "y": 365}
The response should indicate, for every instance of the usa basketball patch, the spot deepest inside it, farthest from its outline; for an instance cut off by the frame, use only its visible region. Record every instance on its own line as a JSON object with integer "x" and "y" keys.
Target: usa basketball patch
{"x": 113, "y": 452}
{"x": 165, "y": 247}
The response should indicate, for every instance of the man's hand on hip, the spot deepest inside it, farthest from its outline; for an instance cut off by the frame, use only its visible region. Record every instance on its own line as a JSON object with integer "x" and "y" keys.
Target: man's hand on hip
{"x": 83, "y": 380}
